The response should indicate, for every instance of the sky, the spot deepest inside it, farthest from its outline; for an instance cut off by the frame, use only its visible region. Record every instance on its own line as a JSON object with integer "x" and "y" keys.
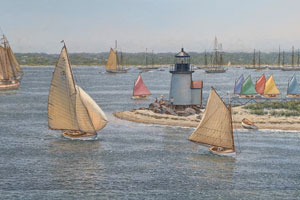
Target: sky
{"x": 159, "y": 25}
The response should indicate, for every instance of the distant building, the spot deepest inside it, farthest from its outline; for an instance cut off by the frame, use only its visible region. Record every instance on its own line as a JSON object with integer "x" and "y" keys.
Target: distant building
{"x": 184, "y": 91}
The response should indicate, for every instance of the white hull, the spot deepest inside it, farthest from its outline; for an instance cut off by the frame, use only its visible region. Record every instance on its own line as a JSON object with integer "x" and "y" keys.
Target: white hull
{"x": 247, "y": 126}
{"x": 226, "y": 152}
{"x": 80, "y": 136}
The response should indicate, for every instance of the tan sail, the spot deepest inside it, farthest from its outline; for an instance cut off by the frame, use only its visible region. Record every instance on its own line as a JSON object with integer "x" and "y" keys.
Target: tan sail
{"x": 13, "y": 60}
{"x": 215, "y": 127}
{"x": 62, "y": 94}
{"x": 95, "y": 116}
{"x": 3, "y": 66}
{"x": 112, "y": 61}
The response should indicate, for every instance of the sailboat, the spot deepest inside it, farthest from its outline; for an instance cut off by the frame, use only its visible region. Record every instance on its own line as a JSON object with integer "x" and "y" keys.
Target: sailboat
{"x": 260, "y": 84}
{"x": 215, "y": 129}
{"x": 278, "y": 62}
{"x": 216, "y": 64}
{"x": 113, "y": 65}
{"x": 248, "y": 90}
{"x": 70, "y": 108}
{"x": 291, "y": 67}
{"x": 147, "y": 67}
{"x": 238, "y": 85}
{"x": 271, "y": 89}
{"x": 293, "y": 87}
{"x": 140, "y": 91}
{"x": 259, "y": 67}
{"x": 10, "y": 70}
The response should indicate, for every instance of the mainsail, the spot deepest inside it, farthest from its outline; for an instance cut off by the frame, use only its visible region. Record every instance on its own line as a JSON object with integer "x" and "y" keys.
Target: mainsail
{"x": 112, "y": 61}
{"x": 9, "y": 66}
{"x": 270, "y": 88}
{"x": 260, "y": 84}
{"x": 293, "y": 87}
{"x": 69, "y": 107}
{"x": 248, "y": 87}
{"x": 215, "y": 127}
{"x": 140, "y": 87}
{"x": 238, "y": 85}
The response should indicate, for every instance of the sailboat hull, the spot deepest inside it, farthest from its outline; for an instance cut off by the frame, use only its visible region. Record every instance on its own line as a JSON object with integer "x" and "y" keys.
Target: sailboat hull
{"x": 293, "y": 95}
{"x": 222, "y": 151}
{"x": 9, "y": 85}
{"x": 116, "y": 71}
{"x": 141, "y": 97}
{"x": 215, "y": 70}
{"x": 78, "y": 135}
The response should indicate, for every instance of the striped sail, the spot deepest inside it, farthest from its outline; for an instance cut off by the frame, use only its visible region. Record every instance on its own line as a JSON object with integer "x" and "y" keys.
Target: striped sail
{"x": 215, "y": 127}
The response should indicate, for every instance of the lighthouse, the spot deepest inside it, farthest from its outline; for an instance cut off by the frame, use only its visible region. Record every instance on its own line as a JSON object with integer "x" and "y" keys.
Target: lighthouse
{"x": 184, "y": 91}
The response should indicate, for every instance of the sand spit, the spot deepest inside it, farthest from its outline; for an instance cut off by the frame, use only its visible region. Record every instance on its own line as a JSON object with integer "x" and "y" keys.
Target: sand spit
{"x": 261, "y": 121}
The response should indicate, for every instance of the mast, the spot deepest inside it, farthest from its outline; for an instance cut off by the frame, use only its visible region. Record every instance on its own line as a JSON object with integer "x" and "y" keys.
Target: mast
{"x": 146, "y": 58}
{"x": 216, "y": 51}
{"x": 298, "y": 58}
{"x": 221, "y": 54}
{"x": 253, "y": 60}
{"x": 293, "y": 57}
{"x": 283, "y": 58}
{"x": 205, "y": 58}
{"x": 229, "y": 108}
{"x": 279, "y": 57}
{"x": 258, "y": 58}
{"x": 152, "y": 59}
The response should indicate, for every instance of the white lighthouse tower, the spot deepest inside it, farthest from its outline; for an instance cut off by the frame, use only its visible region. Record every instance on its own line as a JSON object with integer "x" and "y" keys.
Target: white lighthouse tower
{"x": 184, "y": 91}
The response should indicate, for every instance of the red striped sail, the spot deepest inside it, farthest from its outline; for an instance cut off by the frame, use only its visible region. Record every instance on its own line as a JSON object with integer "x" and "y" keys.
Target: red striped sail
{"x": 140, "y": 88}
{"x": 260, "y": 84}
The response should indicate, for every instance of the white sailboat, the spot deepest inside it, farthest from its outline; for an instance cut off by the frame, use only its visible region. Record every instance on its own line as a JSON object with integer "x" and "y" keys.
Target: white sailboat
{"x": 70, "y": 108}
{"x": 215, "y": 129}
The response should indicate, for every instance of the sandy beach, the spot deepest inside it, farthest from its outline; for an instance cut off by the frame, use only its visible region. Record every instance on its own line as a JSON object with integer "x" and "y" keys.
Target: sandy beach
{"x": 261, "y": 121}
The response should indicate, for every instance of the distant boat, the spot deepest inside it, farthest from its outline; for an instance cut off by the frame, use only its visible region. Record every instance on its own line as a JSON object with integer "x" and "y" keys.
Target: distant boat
{"x": 229, "y": 63}
{"x": 140, "y": 91}
{"x": 293, "y": 88}
{"x": 248, "y": 90}
{"x": 216, "y": 63}
{"x": 70, "y": 108}
{"x": 113, "y": 65}
{"x": 260, "y": 85}
{"x": 278, "y": 66}
{"x": 215, "y": 128}
{"x": 238, "y": 85}
{"x": 246, "y": 123}
{"x": 147, "y": 67}
{"x": 291, "y": 67}
{"x": 10, "y": 70}
{"x": 271, "y": 89}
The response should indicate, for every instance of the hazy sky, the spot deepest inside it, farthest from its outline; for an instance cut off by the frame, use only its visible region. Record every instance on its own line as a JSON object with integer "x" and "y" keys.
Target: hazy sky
{"x": 161, "y": 25}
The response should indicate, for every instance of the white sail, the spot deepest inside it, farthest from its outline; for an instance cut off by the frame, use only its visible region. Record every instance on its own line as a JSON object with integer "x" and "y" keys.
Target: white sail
{"x": 62, "y": 94}
{"x": 215, "y": 127}
{"x": 92, "y": 114}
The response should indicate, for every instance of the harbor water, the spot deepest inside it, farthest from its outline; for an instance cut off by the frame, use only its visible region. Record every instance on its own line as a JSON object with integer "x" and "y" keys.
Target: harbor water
{"x": 137, "y": 161}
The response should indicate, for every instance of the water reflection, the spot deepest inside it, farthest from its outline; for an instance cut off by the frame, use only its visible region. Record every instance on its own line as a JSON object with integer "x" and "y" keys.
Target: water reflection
{"x": 76, "y": 164}
{"x": 8, "y": 92}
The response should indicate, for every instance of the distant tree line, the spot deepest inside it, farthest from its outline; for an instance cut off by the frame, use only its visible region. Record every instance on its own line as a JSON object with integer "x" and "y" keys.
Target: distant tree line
{"x": 236, "y": 58}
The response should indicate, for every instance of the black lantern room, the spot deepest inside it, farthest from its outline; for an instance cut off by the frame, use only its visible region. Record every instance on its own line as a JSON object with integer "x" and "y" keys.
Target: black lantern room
{"x": 182, "y": 62}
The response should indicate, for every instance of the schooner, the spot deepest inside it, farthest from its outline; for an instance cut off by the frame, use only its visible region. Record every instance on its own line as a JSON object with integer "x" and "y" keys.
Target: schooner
{"x": 70, "y": 108}
{"x": 114, "y": 64}
{"x": 10, "y": 70}
{"x": 215, "y": 128}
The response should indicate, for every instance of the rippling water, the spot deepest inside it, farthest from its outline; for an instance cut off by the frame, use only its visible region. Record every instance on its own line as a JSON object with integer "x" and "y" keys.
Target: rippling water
{"x": 136, "y": 161}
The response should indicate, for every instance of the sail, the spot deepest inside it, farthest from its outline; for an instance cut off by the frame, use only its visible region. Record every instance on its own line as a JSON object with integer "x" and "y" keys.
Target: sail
{"x": 140, "y": 88}
{"x": 3, "y": 65}
{"x": 238, "y": 85}
{"x": 215, "y": 127}
{"x": 112, "y": 61}
{"x": 248, "y": 87}
{"x": 293, "y": 87}
{"x": 260, "y": 84}
{"x": 89, "y": 115}
{"x": 14, "y": 61}
{"x": 62, "y": 96}
{"x": 270, "y": 87}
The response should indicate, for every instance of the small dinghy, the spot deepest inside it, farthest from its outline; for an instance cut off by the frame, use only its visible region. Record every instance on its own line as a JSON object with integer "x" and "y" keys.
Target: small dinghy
{"x": 246, "y": 123}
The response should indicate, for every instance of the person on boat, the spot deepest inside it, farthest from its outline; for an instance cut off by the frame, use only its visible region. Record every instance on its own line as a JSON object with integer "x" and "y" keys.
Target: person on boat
{"x": 155, "y": 101}
{"x": 171, "y": 101}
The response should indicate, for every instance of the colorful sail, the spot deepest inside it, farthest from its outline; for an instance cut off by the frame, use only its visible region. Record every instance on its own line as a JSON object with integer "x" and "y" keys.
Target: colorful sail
{"x": 215, "y": 127}
{"x": 271, "y": 88}
{"x": 248, "y": 87}
{"x": 140, "y": 87}
{"x": 260, "y": 84}
{"x": 238, "y": 85}
{"x": 293, "y": 87}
